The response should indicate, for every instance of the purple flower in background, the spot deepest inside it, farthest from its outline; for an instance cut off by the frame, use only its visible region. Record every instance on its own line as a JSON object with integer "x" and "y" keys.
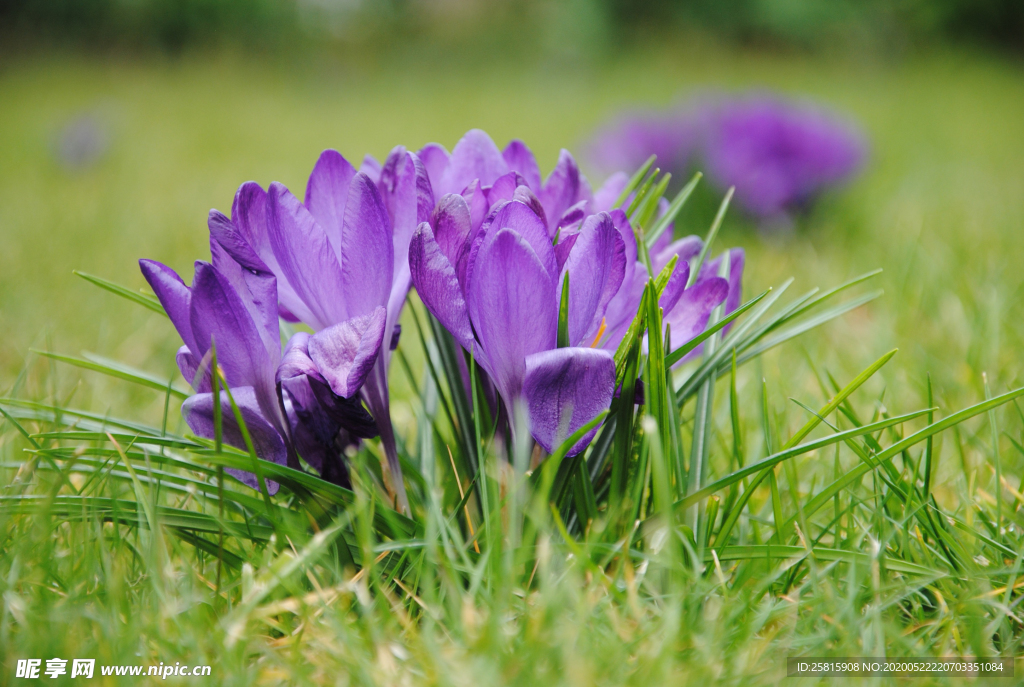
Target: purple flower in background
{"x": 341, "y": 262}
{"x": 497, "y": 289}
{"x": 627, "y": 142}
{"x": 779, "y": 155}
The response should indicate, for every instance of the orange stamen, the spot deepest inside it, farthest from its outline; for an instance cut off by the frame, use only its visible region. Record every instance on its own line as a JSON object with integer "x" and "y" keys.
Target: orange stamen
{"x": 600, "y": 332}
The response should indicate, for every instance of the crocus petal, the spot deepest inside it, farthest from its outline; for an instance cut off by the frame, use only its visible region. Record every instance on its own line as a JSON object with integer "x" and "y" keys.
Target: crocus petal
{"x": 573, "y": 215}
{"x": 676, "y": 285}
{"x": 512, "y": 307}
{"x": 172, "y": 293}
{"x": 189, "y": 366}
{"x": 565, "y": 388}
{"x": 476, "y": 197}
{"x": 409, "y": 200}
{"x": 452, "y": 224}
{"x": 564, "y": 187}
{"x": 327, "y": 193}
{"x": 596, "y": 265}
{"x": 198, "y": 412}
{"x": 295, "y": 361}
{"x": 504, "y": 187}
{"x": 370, "y": 168}
{"x": 433, "y": 275}
{"x": 436, "y": 159}
{"x": 520, "y": 159}
{"x": 686, "y": 248}
{"x": 249, "y": 216}
{"x": 528, "y": 198}
{"x": 690, "y": 315}
{"x": 523, "y": 221}
{"x": 345, "y": 352}
{"x": 622, "y": 308}
{"x": 313, "y": 431}
{"x": 300, "y": 377}
{"x": 367, "y": 252}
{"x": 564, "y": 246}
{"x": 219, "y": 315}
{"x": 306, "y": 258}
{"x": 474, "y": 157}
{"x": 234, "y": 258}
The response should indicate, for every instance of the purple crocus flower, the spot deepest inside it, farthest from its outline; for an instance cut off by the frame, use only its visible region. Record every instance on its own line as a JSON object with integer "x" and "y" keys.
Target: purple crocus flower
{"x": 341, "y": 262}
{"x": 779, "y": 155}
{"x": 486, "y": 176}
{"x": 497, "y": 289}
{"x": 232, "y": 304}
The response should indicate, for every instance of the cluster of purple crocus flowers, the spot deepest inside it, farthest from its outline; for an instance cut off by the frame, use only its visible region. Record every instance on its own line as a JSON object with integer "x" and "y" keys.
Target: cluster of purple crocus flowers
{"x": 780, "y": 154}
{"x": 486, "y": 243}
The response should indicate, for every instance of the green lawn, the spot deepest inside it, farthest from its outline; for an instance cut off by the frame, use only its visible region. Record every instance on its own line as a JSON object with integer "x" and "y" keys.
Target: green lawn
{"x": 940, "y": 209}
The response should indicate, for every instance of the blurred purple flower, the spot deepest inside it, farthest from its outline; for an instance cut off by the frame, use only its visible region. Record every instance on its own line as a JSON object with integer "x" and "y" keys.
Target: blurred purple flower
{"x": 780, "y": 155}
{"x": 629, "y": 140}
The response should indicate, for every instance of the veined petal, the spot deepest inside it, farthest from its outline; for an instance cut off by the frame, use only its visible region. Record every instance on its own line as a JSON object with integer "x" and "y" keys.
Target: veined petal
{"x": 435, "y": 158}
{"x": 596, "y": 265}
{"x": 249, "y": 217}
{"x": 306, "y": 258}
{"x": 367, "y": 252}
{"x": 327, "y": 194}
{"x": 234, "y": 258}
{"x": 188, "y": 364}
{"x": 690, "y": 315}
{"x": 452, "y": 225}
{"x": 219, "y": 315}
{"x": 476, "y": 197}
{"x": 198, "y": 412}
{"x": 512, "y": 308}
{"x": 434, "y": 277}
{"x": 474, "y": 157}
{"x": 409, "y": 200}
{"x": 172, "y": 293}
{"x": 564, "y": 187}
{"x": 675, "y": 286}
{"x": 520, "y": 159}
{"x": 504, "y": 187}
{"x": 573, "y": 215}
{"x": 370, "y": 168}
{"x": 528, "y": 198}
{"x": 565, "y": 388}
{"x": 686, "y": 248}
{"x": 345, "y": 352}
{"x": 524, "y": 221}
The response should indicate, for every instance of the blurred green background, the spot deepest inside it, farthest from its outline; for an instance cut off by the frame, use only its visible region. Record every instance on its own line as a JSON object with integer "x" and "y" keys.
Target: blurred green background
{"x": 123, "y": 123}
